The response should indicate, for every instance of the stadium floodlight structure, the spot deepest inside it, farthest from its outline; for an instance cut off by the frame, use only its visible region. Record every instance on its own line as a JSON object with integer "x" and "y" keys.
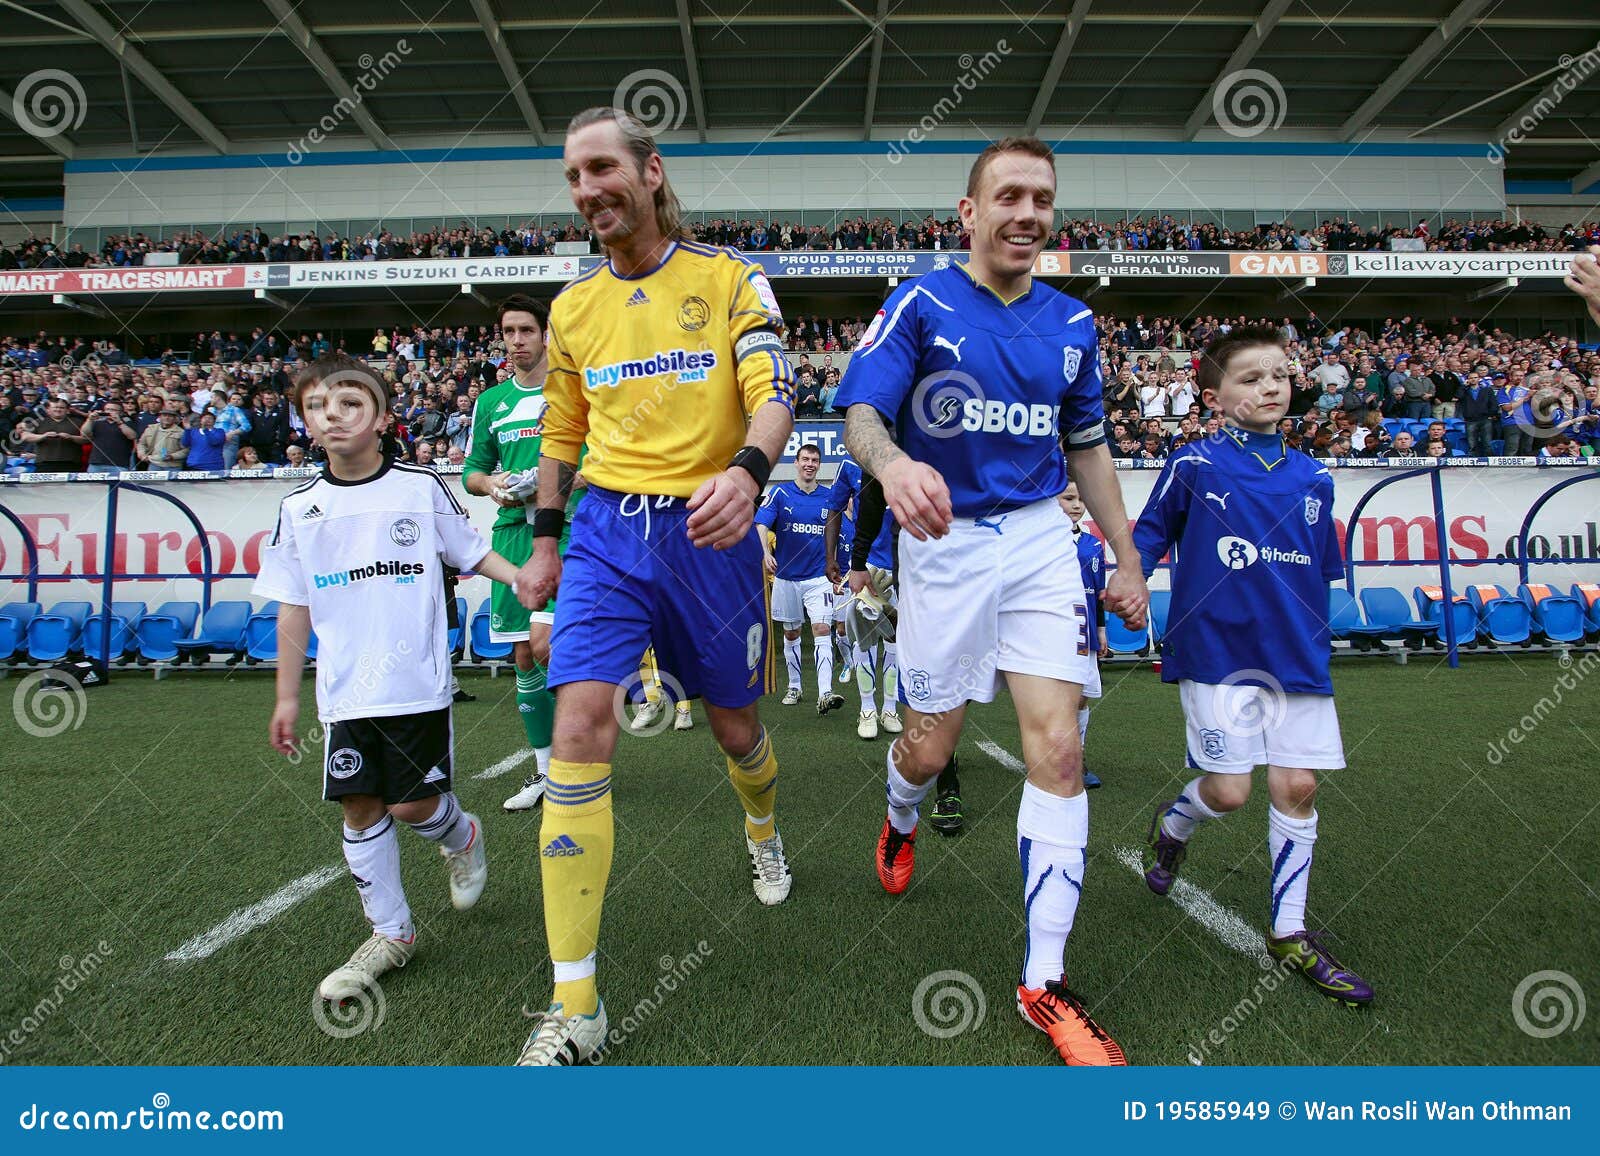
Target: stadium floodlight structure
{"x": 77, "y": 306}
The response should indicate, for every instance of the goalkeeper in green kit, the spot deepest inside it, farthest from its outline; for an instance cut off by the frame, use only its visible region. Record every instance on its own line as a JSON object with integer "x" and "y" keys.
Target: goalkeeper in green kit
{"x": 502, "y": 457}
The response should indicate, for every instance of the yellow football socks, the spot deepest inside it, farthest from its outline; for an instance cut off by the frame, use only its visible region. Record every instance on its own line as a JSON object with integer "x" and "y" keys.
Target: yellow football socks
{"x": 755, "y": 779}
{"x": 576, "y": 836}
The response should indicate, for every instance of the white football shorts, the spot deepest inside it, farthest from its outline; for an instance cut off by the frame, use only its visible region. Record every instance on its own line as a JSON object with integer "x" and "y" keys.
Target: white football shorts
{"x": 795, "y": 601}
{"x": 1233, "y": 729}
{"x": 994, "y": 595}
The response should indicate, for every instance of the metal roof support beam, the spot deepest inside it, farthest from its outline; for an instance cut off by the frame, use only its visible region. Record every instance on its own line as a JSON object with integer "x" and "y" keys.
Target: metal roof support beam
{"x": 1586, "y": 178}
{"x": 508, "y": 68}
{"x": 1058, "y": 61}
{"x": 696, "y": 95}
{"x": 1242, "y": 55}
{"x": 1453, "y": 26}
{"x": 57, "y": 144}
{"x": 290, "y": 24}
{"x": 873, "y": 69}
{"x": 119, "y": 46}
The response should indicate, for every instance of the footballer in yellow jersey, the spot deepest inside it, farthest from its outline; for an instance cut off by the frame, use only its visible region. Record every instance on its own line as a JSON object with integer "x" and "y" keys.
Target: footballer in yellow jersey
{"x": 667, "y": 367}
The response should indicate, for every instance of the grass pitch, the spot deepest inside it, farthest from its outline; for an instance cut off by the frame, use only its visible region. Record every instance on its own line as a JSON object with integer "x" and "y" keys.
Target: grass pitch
{"x": 1448, "y": 878}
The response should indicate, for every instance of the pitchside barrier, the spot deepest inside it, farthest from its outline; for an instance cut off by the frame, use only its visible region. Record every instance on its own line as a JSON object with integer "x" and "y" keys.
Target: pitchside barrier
{"x": 159, "y": 536}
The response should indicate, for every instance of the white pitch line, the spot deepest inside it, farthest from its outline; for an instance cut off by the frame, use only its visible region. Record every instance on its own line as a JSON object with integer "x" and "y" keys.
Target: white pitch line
{"x": 509, "y": 763}
{"x": 247, "y": 919}
{"x": 1195, "y": 902}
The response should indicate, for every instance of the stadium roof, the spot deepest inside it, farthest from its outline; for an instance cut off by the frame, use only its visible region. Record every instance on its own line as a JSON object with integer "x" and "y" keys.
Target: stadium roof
{"x": 238, "y": 77}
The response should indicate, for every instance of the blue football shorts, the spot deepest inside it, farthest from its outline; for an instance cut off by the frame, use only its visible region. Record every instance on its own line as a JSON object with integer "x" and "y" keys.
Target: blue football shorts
{"x": 631, "y": 579}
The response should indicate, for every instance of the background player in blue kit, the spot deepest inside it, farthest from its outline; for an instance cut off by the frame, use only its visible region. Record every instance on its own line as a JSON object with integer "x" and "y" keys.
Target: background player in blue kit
{"x": 843, "y": 497}
{"x": 967, "y": 393}
{"x": 795, "y": 513}
{"x": 1092, "y": 565}
{"x": 1247, "y": 639}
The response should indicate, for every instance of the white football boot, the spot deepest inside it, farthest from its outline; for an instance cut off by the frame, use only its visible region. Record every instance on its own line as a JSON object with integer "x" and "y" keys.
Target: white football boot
{"x": 649, "y": 713}
{"x": 683, "y": 720}
{"x": 890, "y": 721}
{"x": 559, "y": 1040}
{"x": 377, "y": 956}
{"x": 867, "y": 727}
{"x": 791, "y": 696}
{"x": 469, "y": 867}
{"x": 530, "y": 796}
{"x": 769, "y": 870}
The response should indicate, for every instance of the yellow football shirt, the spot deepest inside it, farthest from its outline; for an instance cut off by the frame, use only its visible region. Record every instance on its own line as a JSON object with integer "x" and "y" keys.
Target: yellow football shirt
{"x": 659, "y": 374}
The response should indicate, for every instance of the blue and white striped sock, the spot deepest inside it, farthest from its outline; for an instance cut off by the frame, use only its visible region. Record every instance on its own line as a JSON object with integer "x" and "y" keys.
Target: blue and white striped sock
{"x": 1052, "y": 833}
{"x": 1187, "y": 812}
{"x": 1291, "y": 842}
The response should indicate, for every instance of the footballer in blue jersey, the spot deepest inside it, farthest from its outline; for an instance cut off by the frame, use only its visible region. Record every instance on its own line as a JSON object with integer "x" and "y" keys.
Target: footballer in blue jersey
{"x": 1092, "y": 565}
{"x": 844, "y": 498}
{"x": 1247, "y": 634}
{"x": 797, "y": 512}
{"x": 970, "y": 392}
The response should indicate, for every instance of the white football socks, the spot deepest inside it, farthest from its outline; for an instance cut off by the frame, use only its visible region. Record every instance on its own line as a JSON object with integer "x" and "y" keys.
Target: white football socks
{"x": 1083, "y": 725}
{"x": 791, "y": 659}
{"x": 891, "y": 678}
{"x": 822, "y": 653}
{"x": 1052, "y": 833}
{"x": 374, "y": 859}
{"x": 1290, "y": 842}
{"x": 866, "y": 681}
{"x": 448, "y": 826}
{"x": 541, "y": 759}
{"x": 904, "y": 798}
{"x": 1187, "y": 812}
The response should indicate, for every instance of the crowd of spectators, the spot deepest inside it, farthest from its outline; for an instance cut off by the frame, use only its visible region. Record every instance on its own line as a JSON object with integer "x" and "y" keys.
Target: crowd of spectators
{"x": 854, "y": 233}
{"x": 77, "y": 403}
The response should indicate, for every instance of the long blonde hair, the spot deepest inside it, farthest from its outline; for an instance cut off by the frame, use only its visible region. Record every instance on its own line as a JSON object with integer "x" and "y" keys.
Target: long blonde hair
{"x": 640, "y": 142}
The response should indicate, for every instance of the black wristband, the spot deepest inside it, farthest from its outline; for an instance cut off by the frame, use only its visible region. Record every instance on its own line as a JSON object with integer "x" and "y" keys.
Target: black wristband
{"x": 549, "y": 523}
{"x": 753, "y": 461}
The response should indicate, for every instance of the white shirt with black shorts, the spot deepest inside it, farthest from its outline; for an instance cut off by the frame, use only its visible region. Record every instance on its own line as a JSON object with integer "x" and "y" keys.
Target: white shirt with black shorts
{"x": 368, "y": 558}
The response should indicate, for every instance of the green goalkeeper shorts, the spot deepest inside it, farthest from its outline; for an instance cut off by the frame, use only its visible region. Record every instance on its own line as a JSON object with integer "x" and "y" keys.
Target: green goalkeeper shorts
{"x": 508, "y": 618}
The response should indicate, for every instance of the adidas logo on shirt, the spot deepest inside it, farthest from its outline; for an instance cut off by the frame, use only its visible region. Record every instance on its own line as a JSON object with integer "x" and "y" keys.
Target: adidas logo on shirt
{"x": 638, "y": 298}
{"x": 561, "y": 845}
{"x": 434, "y": 775}
{"x": 313, "y": 512}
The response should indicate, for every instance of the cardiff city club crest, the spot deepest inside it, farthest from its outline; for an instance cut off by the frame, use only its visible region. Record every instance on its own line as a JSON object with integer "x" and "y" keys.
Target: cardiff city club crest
{"x": 1071, "y": 358}
{"x": 1313, "y": 510}
{"x": 1213, "y": 745}
{"x": 919, "y": 683}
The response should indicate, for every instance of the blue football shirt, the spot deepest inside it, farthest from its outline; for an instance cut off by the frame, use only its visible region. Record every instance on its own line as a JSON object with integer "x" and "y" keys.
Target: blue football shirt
{"x": 1257, "y": 547}
{"x": 982, "y": 390}
{"x": 1092, "y": 561}
{"x": 847, "y": 485}
{"x": 797, "y": 519}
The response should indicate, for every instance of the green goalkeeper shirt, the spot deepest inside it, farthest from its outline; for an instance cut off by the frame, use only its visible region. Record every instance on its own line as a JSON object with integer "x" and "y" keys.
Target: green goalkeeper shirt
{"x": 507, "y": 428}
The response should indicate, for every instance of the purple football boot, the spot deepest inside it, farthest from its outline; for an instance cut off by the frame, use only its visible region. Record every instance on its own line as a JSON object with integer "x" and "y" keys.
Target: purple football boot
{"x": 1166, "y": 853}
{"x": 1306, "y": 953}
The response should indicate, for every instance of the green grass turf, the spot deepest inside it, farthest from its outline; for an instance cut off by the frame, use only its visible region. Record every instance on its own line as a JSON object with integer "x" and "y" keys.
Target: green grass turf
{"x": 1447, "y": 880}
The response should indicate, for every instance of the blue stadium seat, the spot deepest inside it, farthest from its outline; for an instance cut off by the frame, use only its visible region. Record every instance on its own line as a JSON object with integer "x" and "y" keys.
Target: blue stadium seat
{"x": 158, "y": 634}
{"x": 261, "y": 635}
{"x": 222, "y": 629}
{"x": 1121, "y": 640}
{"x": 1503, "y": 618}
{"x": 1345, "y": 621}
{"x": 1588, "y": 595}
{"x": 458, "y": 634}
{"x": 1160, "y": 608}
{"x": 1431, "y": 609}
{"x": 1387, "y": 611}
{"x": 484, "y": 649}
{"x": 1559, "y": 617}
{"x": 54, "y": 634}
{"x": 14, "y": 619}
{"x": 125, "y": 617}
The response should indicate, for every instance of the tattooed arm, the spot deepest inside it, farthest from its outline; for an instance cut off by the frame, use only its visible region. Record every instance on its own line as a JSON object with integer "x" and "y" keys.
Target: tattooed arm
{"x": 915, "y": 491}
{"x": 537, "y": 580}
